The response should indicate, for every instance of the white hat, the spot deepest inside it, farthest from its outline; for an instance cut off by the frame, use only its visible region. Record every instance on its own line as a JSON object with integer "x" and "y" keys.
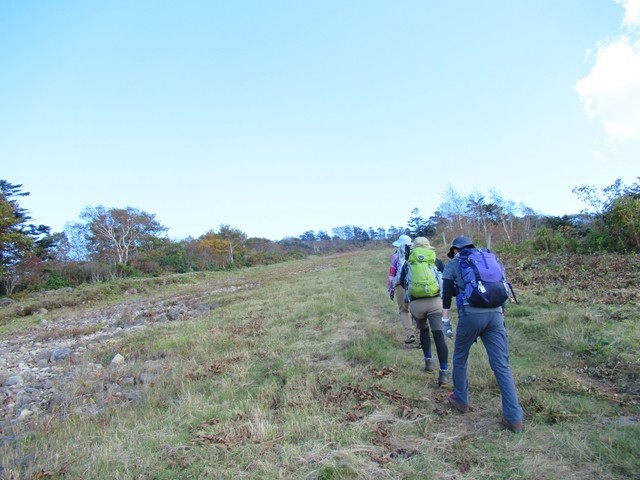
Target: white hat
{"x": 402, "y": 240}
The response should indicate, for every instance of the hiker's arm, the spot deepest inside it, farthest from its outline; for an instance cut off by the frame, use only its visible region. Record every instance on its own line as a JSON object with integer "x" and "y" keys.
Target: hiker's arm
{"x": 403, "y": 276}
{"x": 392, "y": 274}
{"x": 448, "y": 292}
{"x": 393, "y": 268}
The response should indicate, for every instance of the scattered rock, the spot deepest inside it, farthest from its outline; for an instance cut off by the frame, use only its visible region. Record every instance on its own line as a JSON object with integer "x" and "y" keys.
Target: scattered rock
{"x": 59, "y": 354}
{"x": 42, "y": 354}
{"x": 117, "y": 359}
{"x": 12, "y": 380}
{"x": 25, "y": 413}
{"x": 628, "y": 421}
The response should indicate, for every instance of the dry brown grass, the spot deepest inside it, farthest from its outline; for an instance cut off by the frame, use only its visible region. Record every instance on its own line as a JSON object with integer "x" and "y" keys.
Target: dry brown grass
{"x": 306, "y": 376}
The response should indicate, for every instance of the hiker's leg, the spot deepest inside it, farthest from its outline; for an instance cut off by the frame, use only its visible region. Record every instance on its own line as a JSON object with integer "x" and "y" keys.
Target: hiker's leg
{"x": 467, "y": 332}
{"x": 403, "y": 312}
{"x": 419, "y": 315}
{"x": 435, "y": 322}
{"x": 494, "y": 339}
{"x": 441, "y": 349}
{"x": 425, "y": 341}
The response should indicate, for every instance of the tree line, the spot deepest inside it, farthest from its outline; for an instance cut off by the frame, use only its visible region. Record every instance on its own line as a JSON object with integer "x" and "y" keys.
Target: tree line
{"x": 109, "y": 243}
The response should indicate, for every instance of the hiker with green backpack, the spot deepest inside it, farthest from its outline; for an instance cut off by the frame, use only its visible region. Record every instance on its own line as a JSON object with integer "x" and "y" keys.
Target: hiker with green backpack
{"x": 422, "y": 281}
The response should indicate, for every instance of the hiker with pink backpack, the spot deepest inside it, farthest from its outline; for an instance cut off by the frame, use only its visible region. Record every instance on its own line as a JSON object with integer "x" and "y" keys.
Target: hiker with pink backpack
{"x": 396, "y": 289}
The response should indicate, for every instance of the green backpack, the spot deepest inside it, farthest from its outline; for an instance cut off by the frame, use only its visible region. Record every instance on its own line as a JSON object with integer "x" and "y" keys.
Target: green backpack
{"x": 422, "y": 274}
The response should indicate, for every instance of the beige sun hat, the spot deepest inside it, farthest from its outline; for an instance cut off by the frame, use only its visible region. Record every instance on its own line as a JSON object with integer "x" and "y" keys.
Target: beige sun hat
{"x": 421, "y": 242}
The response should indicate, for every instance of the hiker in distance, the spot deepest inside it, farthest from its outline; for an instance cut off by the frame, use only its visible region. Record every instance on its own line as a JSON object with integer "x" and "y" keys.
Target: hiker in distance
{"x": 420, "y": 277}
{"x": 479, "y": 317}
{"x": 396, "y": 290}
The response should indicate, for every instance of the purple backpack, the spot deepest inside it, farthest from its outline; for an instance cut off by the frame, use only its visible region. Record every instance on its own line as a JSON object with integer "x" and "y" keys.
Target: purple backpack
{"x": 484, "y": 277}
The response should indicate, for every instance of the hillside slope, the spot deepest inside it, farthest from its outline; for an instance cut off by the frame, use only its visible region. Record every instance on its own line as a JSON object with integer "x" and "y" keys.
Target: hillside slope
{"x": 298, "y": 370}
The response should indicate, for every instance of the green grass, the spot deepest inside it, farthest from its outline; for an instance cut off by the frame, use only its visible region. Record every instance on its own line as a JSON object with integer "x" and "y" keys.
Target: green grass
{"x": 304, "y": 375}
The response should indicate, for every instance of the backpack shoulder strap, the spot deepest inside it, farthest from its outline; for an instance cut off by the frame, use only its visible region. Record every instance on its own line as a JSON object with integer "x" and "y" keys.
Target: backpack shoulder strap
{"x": 463, "y": 255}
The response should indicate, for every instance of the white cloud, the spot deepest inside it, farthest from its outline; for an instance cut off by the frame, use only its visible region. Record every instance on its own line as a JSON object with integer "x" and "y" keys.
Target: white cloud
{"x": 610, "y": 93}
{"x": 631, "y": 12}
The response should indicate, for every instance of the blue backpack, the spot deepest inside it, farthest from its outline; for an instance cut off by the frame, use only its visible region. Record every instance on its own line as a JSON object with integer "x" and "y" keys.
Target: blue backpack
{"x": 484, "y": 278}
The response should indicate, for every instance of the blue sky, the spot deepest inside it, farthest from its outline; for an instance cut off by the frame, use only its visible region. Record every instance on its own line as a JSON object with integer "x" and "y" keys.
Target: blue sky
{"x": 279, "y": 117}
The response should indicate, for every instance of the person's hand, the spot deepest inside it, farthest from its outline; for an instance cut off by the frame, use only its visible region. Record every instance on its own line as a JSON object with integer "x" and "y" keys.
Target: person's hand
{"x": 392, "y": 293}
{"x": 448, "y": 330}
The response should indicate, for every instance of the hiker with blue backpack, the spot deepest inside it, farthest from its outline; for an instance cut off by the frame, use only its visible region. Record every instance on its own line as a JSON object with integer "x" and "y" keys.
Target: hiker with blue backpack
{"x": 422, "y": 281}
{"x": 476, "y": 278}
{"x": 396, "y": 289}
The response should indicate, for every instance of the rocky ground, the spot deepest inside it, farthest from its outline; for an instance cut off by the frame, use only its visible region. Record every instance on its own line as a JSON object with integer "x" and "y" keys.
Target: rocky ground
{"x": 40, "y": 370}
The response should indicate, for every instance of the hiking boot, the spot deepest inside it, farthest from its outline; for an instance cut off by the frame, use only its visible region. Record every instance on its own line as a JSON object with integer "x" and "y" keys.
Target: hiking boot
{"x": 515, "y": 427}
{"x": 428, "y": 365}
{"x": 461, "y": 407}
{"x": 410, "y": 339}
{"x": 443, "y": 378}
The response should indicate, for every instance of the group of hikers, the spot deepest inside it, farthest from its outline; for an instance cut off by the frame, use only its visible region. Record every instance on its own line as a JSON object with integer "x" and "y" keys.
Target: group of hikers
{"x": 424, "y": 287}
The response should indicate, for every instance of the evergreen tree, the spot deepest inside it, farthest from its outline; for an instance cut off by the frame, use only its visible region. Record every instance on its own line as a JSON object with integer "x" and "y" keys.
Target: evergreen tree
{"x": 20, "y": 241}
{"x": 418, "y": 225}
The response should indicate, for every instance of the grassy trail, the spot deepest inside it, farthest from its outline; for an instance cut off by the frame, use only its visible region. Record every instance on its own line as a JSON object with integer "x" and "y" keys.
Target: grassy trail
{"x": 303, "y": 375}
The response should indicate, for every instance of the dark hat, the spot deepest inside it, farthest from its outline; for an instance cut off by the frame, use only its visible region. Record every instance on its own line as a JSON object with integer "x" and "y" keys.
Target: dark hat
{"x": 459, "y": 243}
